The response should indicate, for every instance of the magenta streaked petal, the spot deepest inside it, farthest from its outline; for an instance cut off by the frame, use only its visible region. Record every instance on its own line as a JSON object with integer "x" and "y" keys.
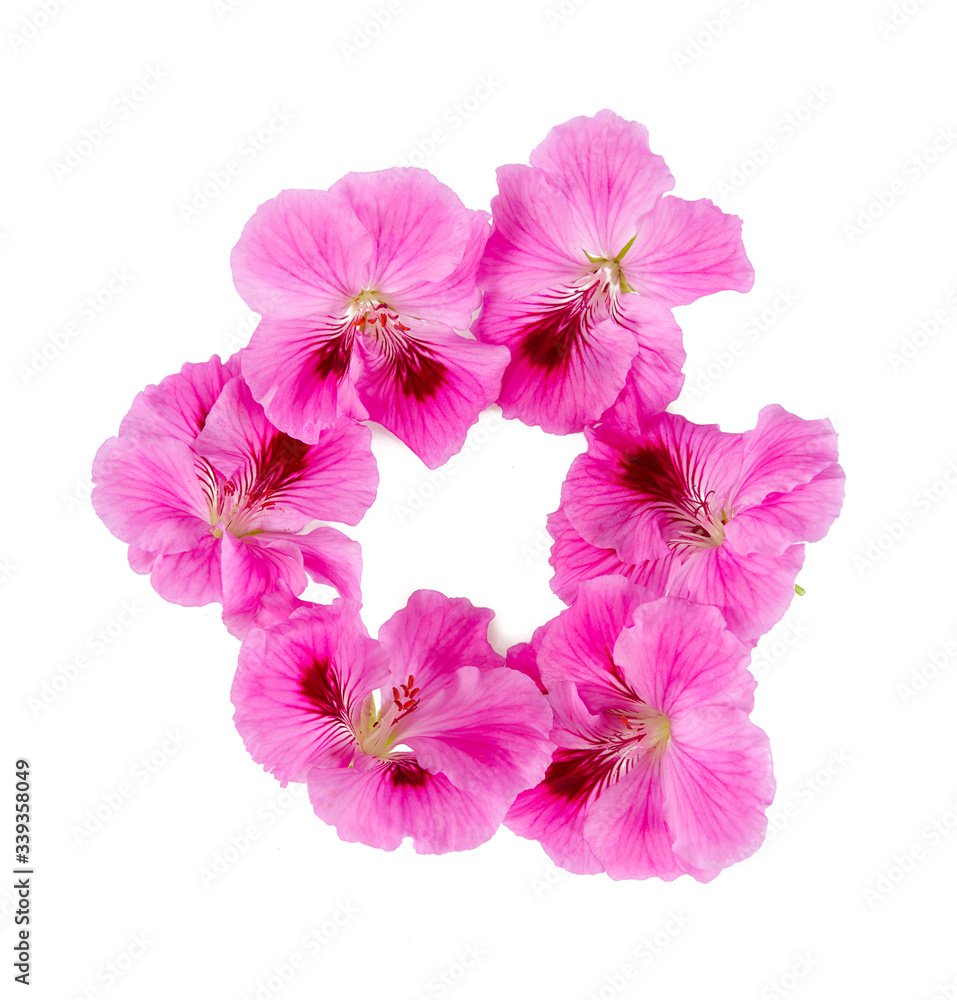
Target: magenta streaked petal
{"x": 536, "y": 242}
{"x": 484, "y": 729}
{"x": 716, "y": 782}
{"x": 523, "y": 657}
{"x": 300, "y": 688}
{"x": 783, "y": 451}
{"x": 606, "y": 169}
{"x": 303, "y": 372}
{"x": 178, "y": 406}
{"x": 332, "y": 558}
{"x": 430, "y": 387}
{"x": 686, "y": 249}
{"x": 290, "y": 481}
{"x": 420, "y": 230}
{"x": 391, "y": 800}
{"x": 565, "y": 369}
{"x": 302, "y": 253}
{"x": 141, "y": 560}
{"x": 147, "y": 493}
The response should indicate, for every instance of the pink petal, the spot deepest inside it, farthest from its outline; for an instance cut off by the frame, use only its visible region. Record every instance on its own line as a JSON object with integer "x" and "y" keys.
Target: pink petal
{"x": 302, "y": 253}
{"x": 381, "y": 805}
{"x": 783, "y": 451}
{"x": 717, "y": 783}
{"x": 178, "y": 406}
{"x": 430, "y": 389}
{"x": 686, "y": 249}
{"x": 604, "y": 166}
{"x": 192, "y": 578}
{"x": 303, "y": 372}
{"x": 147, "y": 492}
{"x": 421, "y": 233}
{"x": 330, "y": 557}
{"x": 483, "y": 729}
{"x": 523, "y": 657}
{"x": 300, "y": 688}
{"x": 536, "y": 242}
{"x": 334, "y": 479}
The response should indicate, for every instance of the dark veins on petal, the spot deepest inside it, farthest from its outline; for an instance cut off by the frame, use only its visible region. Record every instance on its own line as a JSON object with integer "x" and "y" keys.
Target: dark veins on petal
{"x": 551, "y": 338}
{"x": 319, "y": 685}
{"x": 665, "y": 480}
{"x": 281, "y": 463}
{"x": 574, "y": 775}
{"x": 407, "y": 772}
{"x": 416, "y": 371}
{"x": 332, "y": 356}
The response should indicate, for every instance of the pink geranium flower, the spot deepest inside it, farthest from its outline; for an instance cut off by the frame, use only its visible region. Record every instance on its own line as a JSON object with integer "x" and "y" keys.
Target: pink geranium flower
{"x": 659, "y": 771}
{"x": 361, "y": 289}
{"x": 439, "y": 754}
{"x": 688, "y": 510}
{"x": 585, "y": 262}
{"x": 215, "y": 501}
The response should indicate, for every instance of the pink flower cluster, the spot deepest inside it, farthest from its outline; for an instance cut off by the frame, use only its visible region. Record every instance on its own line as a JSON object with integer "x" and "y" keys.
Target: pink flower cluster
{"x": 619, "y": 737}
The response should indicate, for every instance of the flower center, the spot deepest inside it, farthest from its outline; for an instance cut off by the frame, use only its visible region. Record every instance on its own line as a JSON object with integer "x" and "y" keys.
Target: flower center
{"x": 643, "y": 730}
{"x": 378, "y": 734}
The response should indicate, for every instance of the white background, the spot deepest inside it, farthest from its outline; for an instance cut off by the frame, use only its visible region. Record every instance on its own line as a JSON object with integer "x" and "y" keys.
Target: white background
{"x": 864, "y": 761}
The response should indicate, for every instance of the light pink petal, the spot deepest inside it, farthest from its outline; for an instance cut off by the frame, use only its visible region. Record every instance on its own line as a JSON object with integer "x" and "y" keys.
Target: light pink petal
{"x": 482, "y": 729}
{"x": 686, "y": 249}
{"x": 148, "y": 493}
{"x": 303, "y": 373}
{"x": 141, "y": 560}
{"x": 178, "y": 406}
{"x": 300, "y": 688}
{"x": 431, "y": 389}
{"x": 421, "y": 234}
{"x": 302, "y": 253}
{"x": 191, "y": 578}
{"x": 575, "y": 560}
{"x": 536, "y": 242}
{"x": 604, "y": 166}
{"x": 655, "y": 377}
{"x": 523, "y": 657}
{"x": 334, "y": 479}
{"x": 554, "y": 812}
{"x": 680, "y": 657}
{"x": 752, "y": 590}
{"x": 435, "y": 635}
{"x": 717, "y": 783}
{"x": 783, "y": 451}
{"x": 804, "y": 514}
{"x": 579, "y": 645}
{"x": 562, "y": 374}
{"x": 381, "y": 805}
